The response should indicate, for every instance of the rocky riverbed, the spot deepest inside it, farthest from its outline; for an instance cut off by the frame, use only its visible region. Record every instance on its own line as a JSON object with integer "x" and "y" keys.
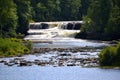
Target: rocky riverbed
{"x": 86, "y": 57}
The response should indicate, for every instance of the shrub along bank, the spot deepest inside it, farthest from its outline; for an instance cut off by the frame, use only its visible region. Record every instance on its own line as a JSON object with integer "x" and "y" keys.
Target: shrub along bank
{"x": 110, "y": 56}
{"x": 13, "y": 47}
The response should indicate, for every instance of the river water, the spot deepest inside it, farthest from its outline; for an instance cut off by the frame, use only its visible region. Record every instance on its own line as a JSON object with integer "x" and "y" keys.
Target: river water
{"x": 57, "y": 73}
{"x": 64, "y": 58}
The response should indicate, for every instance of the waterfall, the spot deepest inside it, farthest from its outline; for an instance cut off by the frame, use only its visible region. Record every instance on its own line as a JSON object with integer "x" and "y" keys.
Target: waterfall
{"x": 63, "y": 25}
{"x": 53, "y": 30}
{"x": 71, "y": 26}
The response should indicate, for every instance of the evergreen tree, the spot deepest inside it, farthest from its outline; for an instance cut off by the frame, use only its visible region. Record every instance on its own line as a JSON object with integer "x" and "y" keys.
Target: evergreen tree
{"x": 70, "y": 9}
{"x": 113, "y": 28}
{"x": 84, "y": 8}
{"x": 24, "y": 15}
{"x": 8, "y": 18}
{"x": 98, "y": 14}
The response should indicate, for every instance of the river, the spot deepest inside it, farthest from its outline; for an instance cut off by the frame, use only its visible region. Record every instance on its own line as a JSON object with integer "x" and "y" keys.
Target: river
{"x": 60, "y": 57}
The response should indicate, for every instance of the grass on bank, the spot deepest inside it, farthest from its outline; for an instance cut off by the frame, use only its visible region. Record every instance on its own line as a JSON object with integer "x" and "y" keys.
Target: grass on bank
{"x": 110, "y": 56}
{"x": 13, "y": 47}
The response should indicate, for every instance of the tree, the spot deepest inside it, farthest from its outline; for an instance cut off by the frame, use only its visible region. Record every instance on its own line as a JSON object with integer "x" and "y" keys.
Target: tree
{"x": 46, "y": 10}
{"x": 70, "y": 9}
{"x": 113, "y": 27}
{"x": 98, "y": 14}
{"x": 24, "y": 15}
{"x": 84, "y": 8}
{"x": 8, "y": 18}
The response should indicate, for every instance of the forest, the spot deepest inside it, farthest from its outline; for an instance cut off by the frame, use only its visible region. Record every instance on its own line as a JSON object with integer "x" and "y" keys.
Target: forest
{"x": 15, "y": 15}
{"x": 100, "y": 16}
{"x": 102, "y": 21}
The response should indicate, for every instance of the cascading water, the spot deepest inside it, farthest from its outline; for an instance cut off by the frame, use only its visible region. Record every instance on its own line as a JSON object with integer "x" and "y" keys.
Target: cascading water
{"x": 61, "y": 35}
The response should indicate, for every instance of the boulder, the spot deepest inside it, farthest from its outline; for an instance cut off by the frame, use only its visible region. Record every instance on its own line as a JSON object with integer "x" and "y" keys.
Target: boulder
{"x": 77, "y": 26}
{"x": 44, "y": 26}
{"x": 70, "y": 26}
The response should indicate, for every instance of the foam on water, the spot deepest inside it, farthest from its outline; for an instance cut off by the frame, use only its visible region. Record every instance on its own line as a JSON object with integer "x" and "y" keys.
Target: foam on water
{"x": 59, "y": 38}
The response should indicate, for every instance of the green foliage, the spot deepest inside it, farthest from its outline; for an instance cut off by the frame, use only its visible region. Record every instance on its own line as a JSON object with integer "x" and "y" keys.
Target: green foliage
{"x": 15, "y": 15}
{"x": 87, "y": 26}
{"x": 12, "y": 47}
{"x": 113, "y": 27}
{"x": 56, "y": 10}
{"x": 100, "y": 16}
{"x": 8, "y": 18}
{"x": 70, "y": 9}
{"x": 84, "y": 6}
{"x": 103, "y": 19}
{"x": 98, "y": 13}
{"x": 110, "y": 56}
{"x": 28, "y": 44}
{"x": 24, "y": 15}
{"x": 45, "y": 10}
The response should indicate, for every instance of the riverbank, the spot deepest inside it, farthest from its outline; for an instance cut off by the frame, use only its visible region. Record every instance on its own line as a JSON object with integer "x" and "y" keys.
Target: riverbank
{"x": 98, "y": 36}
{"x": 14, "y": 47}
{"x": 110, "y": 56}
{"x": 110, "y": 67}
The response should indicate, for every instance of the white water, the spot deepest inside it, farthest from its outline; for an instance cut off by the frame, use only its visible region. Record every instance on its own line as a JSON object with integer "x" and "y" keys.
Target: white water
{"x": 51, "y": 33}
{"x": 59, "y": 38}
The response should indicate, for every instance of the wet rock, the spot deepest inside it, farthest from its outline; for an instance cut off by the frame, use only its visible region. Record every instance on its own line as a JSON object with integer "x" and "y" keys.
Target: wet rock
{"x": 19, "y": 59}
{"x": 78, "y": 59}
{"x": 51, "y": 63}
{"x": 29, "y": 63}
{"x": 23, "y": 63}
{"x": 90, "y": 65}
{"x": 71, "y": 64}
{"x": 40, "y": 63}
{"x": 77, "y": 26}
{"x": 10, "y": 64}
{"x": 36, "y": 61}
{"x": 43, "y": 63}
{"x": 65, "y": 54}
{"x": 63, "y": 59}
{"x": 36, "y": 50}
{"x": 2, "y": 61}
{"x": 5, "y": 63}
{"x": 60, "y": 64}
{"x": 84, "y": 53}
{"x": 44, "y": 26}
{"x": 70, "y": 26}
